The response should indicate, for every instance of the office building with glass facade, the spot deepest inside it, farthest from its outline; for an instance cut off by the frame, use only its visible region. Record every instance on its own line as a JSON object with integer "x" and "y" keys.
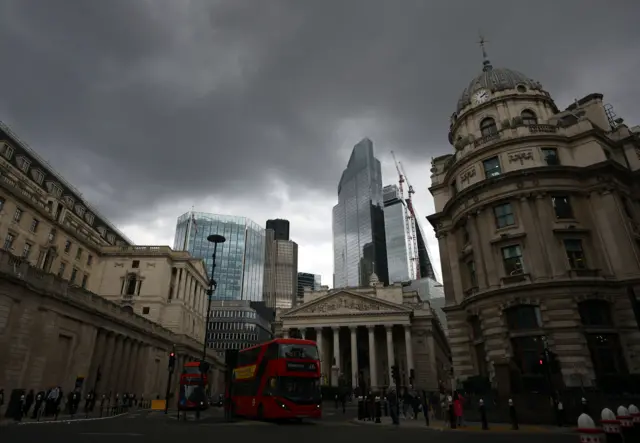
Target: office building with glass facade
{"x": 239, "y": 261}
{"x": 280, "y": 228}
{"x": 238, "y": 324}
{"x": 306, "y": 280}
{"x": 280, "y": 271}
{"x": 400, "y": 255}
{"x": 359, "y": 247}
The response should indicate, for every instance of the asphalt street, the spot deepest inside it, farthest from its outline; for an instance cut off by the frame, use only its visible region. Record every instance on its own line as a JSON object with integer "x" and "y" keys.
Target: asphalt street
{"x": 156, "y": 427}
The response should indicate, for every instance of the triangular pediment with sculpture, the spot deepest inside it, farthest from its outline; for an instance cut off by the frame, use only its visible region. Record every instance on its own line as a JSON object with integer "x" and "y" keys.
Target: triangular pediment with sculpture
{"x": 346, "y": 302}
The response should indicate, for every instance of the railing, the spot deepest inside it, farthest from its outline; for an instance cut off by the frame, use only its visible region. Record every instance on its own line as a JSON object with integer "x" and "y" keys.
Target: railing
{"x": 542, "y": 128}
{"x": 486, "y": 139}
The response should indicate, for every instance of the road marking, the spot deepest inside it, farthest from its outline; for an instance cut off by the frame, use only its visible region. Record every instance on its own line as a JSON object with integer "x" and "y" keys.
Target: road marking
{"x": 75, "y": 420}
{"x": 111, "y": 434}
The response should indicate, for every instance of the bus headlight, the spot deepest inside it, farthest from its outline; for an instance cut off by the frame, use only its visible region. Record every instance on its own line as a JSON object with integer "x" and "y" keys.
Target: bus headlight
{"x": 282, "y": 405}
{"x": 318, "y": 406}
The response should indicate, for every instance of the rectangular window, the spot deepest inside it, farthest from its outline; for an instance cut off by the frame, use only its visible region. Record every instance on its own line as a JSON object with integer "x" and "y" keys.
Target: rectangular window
{"x": 17, "y": 216}
{"x": 26, "y": 250}
{"x": 471, "y": 266}
{"x": 67, "y": 246}
{"x": 34, "y": 225}
{"x": 79, "y": 254}
{"x": 8, "y": 241}
{"x": 146, "y": 309}
{"x": 135, "y": 264}
{"x": 512, "y": 259}
{"x": 504, "y": 215}
{"x": 52, "y": 235}
{"x": 89, "y": 260}
{"x": 550, "y": 156}
{"x": 85, "y": 280}
{"x": 562, "y": 207}
{"x": 61, "y": 270}
{"x": 492, "y": 167}
{"x": 575, "y": 254}
{"x": 74, "y": 274}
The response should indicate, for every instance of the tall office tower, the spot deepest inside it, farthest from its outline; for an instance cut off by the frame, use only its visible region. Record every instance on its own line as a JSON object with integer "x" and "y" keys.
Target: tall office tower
{"x": 310, "y": 281}
{"x": 280, "y": 228}
{"x": 239, "y": 261}
{"x": 359, "y": 246}
{"x": 402, "y": 250}
{"x": 280, "y": 270}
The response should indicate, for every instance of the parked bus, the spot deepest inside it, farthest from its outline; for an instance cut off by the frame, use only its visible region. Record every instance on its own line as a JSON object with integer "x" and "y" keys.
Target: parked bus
{"x": 279, "y": 379}
{"x": 192, "y": 390}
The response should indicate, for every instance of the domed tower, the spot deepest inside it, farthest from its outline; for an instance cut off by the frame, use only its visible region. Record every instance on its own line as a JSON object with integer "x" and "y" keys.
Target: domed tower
{"x": 537, "y": 221}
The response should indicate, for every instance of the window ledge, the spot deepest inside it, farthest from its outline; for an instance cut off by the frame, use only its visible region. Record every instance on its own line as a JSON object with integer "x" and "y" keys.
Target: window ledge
{"x": 584, "y": 273}
{"x": 571, "y": 230}
{"x": 504, "y": 237}
{"x": 518, "y": 278}
{"x": 473, "y": 290}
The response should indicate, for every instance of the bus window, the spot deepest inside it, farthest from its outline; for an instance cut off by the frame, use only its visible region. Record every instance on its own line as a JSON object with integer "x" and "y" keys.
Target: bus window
{"x": 299, "y": 351}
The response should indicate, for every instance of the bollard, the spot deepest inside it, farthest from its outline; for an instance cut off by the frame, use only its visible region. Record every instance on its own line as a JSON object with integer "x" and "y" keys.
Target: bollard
{"x": 483, "y": 416}
{"x": 635, "y": 415}
{"x": 360, "y": 408}
{"x": 626, "y": 423}
{"x": 611, "y": 426}
{"x": 378, "y": 410}
{"x": 514, "y": 416}
{"x": 589, "y": 432}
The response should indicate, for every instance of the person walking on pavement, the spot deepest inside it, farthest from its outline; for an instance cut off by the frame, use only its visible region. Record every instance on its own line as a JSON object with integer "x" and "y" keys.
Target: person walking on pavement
{"x": 392, "y": 399}
{"x": 40, "y": 396}
{"x": 458, "y": 402}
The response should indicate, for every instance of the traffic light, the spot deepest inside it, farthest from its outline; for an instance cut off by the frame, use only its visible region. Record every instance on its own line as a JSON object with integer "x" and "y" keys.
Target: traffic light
{"x": 172, "y": 361}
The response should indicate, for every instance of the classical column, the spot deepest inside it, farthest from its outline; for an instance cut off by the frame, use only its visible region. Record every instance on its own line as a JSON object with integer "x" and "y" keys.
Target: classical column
{"x": 303, "y": 333}
{"x": 372, "y": 358}
{"x": 129, "y": 384}
{"x": 390, "y": 357}
{"x": 409, "y": 348}
{"x": 336, "y": 355}
{"x": 142, "y": 371}
{"x": 96, "y": 361}
{"x": 124, "y": 366}
{"x": 107, "y": 362}
{"x": 115, "y": 367}
{"x": 354, "y": 356}
{"x": 319, "y": 345}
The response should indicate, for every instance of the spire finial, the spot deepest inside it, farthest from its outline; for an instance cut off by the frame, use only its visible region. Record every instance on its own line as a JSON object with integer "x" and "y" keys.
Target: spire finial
{"x": 486, "y": 64}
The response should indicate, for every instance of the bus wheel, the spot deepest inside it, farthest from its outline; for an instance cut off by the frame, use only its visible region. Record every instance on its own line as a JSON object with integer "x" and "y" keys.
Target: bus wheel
{"x": 260, "y": 413}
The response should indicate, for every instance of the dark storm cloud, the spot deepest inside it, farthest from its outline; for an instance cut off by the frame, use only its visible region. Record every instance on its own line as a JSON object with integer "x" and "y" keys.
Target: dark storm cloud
{"x": 139, "y": 102}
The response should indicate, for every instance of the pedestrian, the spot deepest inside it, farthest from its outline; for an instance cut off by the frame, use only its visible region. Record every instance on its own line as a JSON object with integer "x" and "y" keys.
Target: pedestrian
{"x": 458, "y": 404}
{"x": 40, "y": 396}
{"x": 392, "y": 399}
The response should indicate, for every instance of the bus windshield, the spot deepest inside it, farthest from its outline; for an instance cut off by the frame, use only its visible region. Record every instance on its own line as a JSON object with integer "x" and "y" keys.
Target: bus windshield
{"x": 298, "y": 388}
{"x": 299, "y": 351}
{"x": 193, "y": 370}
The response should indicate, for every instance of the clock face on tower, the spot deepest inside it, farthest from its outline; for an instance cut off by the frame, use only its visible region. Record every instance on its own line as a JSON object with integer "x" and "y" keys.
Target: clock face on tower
{"x": 481, "y": 96}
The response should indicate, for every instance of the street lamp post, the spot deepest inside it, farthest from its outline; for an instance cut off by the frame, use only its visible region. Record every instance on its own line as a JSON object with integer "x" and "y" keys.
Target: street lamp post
{"x": 215, "y": 239}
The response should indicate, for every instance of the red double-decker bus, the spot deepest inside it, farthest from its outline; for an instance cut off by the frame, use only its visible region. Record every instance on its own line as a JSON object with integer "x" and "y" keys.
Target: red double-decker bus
{"x": 192, "y": 389}
{"x": 279, "y": 379}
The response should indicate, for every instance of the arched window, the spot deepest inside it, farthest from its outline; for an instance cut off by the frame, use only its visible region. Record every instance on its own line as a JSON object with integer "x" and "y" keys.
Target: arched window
{"x": 604, "y": 346}
{"x": 528, "y": 345}
{"x": 131, "y": 284}
{"x": 488, "y": 127}
{"x": 529, "y": 117}
{"x": 478, "y": 345}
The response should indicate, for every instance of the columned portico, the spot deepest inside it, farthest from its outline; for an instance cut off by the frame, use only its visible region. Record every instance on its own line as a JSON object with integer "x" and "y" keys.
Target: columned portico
{"x": 369, "y": 335}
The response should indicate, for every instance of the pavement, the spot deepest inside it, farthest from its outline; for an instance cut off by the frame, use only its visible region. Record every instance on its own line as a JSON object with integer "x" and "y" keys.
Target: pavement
{"x": 143, "y": 426}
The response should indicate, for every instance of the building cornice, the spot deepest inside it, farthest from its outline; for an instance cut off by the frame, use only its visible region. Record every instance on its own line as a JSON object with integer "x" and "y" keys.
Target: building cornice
{"x": 608, "y": 167}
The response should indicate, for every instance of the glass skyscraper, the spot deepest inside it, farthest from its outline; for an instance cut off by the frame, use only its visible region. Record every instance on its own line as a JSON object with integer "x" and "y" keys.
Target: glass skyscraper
{"x": 401, "y": 264}
{"x": 239, "y": 261}
{"x": 359, "y": 247}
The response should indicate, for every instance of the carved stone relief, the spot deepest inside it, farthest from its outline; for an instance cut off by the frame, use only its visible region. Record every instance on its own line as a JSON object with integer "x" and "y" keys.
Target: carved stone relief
{"x": 468, "y": 174}
{"x": 151, "y": 265}
{"x": 345, "y": 303}
{"x": 118, "y": 265}
{"x": 520, "y": 156}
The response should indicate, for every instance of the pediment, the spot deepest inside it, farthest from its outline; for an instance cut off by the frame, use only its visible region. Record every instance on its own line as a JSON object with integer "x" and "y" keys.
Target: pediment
{"x": 345, "y": 303}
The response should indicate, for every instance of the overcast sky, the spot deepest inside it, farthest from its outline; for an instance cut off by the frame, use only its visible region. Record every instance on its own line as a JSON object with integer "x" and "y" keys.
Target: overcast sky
{"x": 251, "y": 107}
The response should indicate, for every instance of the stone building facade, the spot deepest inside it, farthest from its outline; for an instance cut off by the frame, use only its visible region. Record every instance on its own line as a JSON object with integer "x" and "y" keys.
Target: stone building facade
{"x": 165, "y": 286}
{"x": 538, "y": 223}
{"x": 362, "y": 332}
{"x": 62, "y": 257}
{"x": 54, "y": 334}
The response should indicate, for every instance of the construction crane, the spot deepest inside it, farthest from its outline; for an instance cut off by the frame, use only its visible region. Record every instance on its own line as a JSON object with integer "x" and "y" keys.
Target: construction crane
{"x": 412, "y": 240}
